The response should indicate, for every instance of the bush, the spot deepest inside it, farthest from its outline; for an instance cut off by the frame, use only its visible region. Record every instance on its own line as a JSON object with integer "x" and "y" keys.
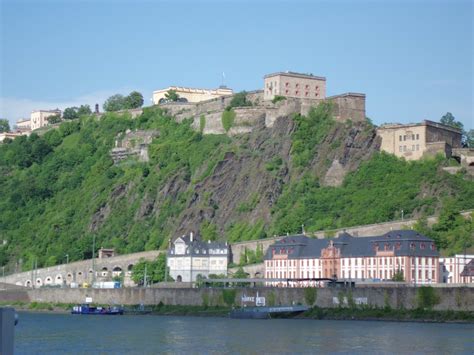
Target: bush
{"x": 426, "y": 297}
{"x": 202, "y": 123}
{"x": 310, "y": 295}
{"x": 278, "y": 98}
{"x": 239, "y": 100}
{"x": 228, "y": 118}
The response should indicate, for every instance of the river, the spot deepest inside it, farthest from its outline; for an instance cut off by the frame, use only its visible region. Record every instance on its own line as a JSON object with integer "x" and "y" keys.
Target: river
{"x": 43, "y": 333}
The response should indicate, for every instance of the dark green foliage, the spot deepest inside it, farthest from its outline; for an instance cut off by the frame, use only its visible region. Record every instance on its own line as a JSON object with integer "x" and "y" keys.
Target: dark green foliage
{"x": 376, "y": 192}
{"x": 155, "y": 270}
{"x": 398, "y": 276}
{"x": 274, "y": 164}
{"x": 469, "y": 142}
{"x": 453, "y": 233}
{"x": 309, "y": 133}
{"x": 54, "y": 119}
{"x": 426, "y": 297}
{"x": 449, "y": 120}
{"x": 208, "y": 231}
{"x": 84, "y": 110}
{"x": 249, "y": 205}
{"x": 310, "y": 294}
{"x": 228, "y": 296}
{"x": 239, "y": 100}
{"x": 70, "y": 113}
{"x": 4, "y": 125}
{"x": 172, "y": 95}
{"x": 278, "y": 98}
{"x": 251, "y": 256}
{"x": 228, "y": 117}
{"x": 202, "y": 123}
{"x": 134, "y": 100}
{"x": 243, "y": 230}
{"x": 115, "y": 102}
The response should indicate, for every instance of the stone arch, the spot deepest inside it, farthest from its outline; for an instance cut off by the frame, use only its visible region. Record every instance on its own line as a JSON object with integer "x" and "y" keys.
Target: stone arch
{"x": 48, "y": 280}
{"x": 58, "y": 280}
{"x": 28, "y": 283}
{"x": 179, "y": 278}
{"x": 39, "y": 282}
{"x": 116, "y": 271}
{"x": 129, "y": 267}
{"x": 105, "y": 268}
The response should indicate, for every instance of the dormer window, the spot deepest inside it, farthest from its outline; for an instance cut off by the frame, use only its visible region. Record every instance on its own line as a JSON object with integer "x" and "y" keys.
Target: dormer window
{"x": 422, "y": 246}
{"x": 433, "y": 246}
{"x": 412, "y": 246}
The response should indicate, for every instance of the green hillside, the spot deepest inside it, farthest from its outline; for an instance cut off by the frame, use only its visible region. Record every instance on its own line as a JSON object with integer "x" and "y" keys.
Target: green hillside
{"x": 61, "y": 189}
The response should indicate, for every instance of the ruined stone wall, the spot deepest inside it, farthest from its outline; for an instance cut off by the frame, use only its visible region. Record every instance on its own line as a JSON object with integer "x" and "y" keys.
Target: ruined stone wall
{"x": 438, "y": 134}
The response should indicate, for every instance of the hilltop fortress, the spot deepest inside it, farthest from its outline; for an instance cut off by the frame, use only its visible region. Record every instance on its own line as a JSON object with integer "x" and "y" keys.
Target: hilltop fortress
{"x": 300, "y": 93}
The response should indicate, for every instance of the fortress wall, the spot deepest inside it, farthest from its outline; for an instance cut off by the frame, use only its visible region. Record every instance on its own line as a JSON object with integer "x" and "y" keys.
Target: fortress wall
{"x": 349, "y": 107}
{"x": 451, "y": 298}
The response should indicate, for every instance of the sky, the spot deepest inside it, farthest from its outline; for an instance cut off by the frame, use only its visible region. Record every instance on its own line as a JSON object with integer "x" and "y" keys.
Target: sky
{"x": 413, "y": 59}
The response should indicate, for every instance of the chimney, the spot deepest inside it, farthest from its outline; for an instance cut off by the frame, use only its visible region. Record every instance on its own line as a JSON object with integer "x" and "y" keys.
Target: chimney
{"x": 191, "y": 236}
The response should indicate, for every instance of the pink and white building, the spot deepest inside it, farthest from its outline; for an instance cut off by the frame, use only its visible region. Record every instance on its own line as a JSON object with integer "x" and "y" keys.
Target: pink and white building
{"x": 301, "y": 260}
{"x": 457, "y": 269}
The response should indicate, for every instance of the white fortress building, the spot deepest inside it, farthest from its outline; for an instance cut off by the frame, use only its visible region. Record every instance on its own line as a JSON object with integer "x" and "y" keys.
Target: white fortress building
{"x": 189, "y": 257}
{"x": 39, "y": 118}
{"x": 191, "y": 95}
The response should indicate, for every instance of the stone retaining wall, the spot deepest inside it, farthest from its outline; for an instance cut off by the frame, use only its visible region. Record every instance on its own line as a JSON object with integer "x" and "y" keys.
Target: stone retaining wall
{"x": 452, "y": 298}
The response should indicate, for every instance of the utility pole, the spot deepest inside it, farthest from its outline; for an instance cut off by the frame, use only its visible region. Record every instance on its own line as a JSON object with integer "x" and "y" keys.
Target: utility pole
{"x": 93, "y": 259}
{"x": 144, "y": 278}
{"x": 402, "y": 215}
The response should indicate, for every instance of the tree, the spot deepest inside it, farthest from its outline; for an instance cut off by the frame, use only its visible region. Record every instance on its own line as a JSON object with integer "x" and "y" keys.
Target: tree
{"x": 115, "y": 102}
{"x": 84, "y": 110}
{"x": 4, "y": 125}
{"x": 155, "y": 270}
{"x": 54, "y": 119}
{"x": 449, "y": 120}
{"x": 239, "y": 100}
{"x": 172, "y": 95}
{"x": 70, "y": 113}
{"x": 398, "y": 276}
{"x": 134, "y": 100}
{"x": 469, "y": 142}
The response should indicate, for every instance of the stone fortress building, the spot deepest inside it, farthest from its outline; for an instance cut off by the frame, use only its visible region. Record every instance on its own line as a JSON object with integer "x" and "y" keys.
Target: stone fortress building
{"x": 189, "y": 257}
{"x": 296, "y": 85}
{"x": 301, "y": 92}
{"x": 191, "y": 94}
{"x": 414, "y": 141}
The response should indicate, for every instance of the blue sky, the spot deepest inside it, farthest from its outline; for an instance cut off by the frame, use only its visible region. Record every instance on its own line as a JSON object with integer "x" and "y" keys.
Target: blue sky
{"x": 413, "y": 59}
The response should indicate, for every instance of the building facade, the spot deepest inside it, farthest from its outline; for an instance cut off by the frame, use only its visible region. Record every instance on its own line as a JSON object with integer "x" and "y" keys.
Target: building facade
{"x": 189, "y": 257}
{"x": 457, "y": 269}
{"x": 23, "y": 125}
{"x": 9, "y": 135}
{"x": 296, "y": 85}
{"x": 413, "y": 141}
{"x": 301, "y": 259}
{"x": 191, "y": 95}
{"x": 39, "y": 118}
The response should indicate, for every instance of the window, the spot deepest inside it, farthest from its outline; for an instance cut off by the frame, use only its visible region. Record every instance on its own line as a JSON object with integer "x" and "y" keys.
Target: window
{"x": 317, "y": 88}
{"x": 316, "y": 95}
{"x": 398, "y": 245}
{"x": 417, "y": 136}
{"x": 422, "y": 246}
{"x": 405, "y": 138}
{"x": 297, "y": 85}
{"x": 306, "y": 87}
{"x": 287, "y": 84}
{"x": 400, "y": 138}
{"x": 297, "y": 92}
{"x": 412, "y": 137}
{"x": 433, "y": 277}
{"x": 413, "y": 148}
{"x": 306, "y": 93}
{"x": 400, "y": 149}
{"x": 412, "y": 246}
{"x": 404, "y": 148}
{"x": 417, "y": 147}
{"x": 287, "y": 91}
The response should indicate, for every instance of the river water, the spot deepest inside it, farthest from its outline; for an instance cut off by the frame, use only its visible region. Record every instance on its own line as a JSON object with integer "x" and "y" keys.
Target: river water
{"x": 43, "y": 333}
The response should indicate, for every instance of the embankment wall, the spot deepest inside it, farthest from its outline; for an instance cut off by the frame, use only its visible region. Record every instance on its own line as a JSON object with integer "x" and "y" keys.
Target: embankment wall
{"x": 450, "y": 298}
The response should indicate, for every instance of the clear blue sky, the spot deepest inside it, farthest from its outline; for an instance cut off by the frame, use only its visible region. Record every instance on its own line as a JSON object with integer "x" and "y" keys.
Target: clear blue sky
{"x": 413, "y": 59}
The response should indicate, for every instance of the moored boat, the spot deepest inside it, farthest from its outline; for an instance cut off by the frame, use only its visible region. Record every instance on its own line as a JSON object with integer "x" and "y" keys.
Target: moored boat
{"x": 93, "y": 310}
